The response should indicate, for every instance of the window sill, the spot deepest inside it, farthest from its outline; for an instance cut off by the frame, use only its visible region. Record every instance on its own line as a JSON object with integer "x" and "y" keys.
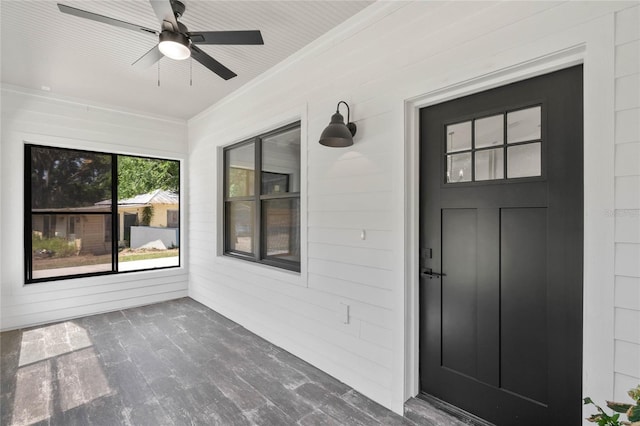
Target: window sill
{"x": 261, "y": 269}
{"x": 100, "y": 280}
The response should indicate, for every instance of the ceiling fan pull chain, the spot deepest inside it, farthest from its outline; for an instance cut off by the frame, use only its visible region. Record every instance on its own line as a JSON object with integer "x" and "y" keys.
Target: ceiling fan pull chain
{"x": 191, "y": 71}
{"x": 158, "y": 73}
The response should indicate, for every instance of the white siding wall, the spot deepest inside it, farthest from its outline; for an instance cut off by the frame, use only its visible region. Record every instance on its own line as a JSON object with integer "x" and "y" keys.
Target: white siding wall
{"x": 627, "y": 205}
{"x": 41, "y": 119}
{"x": 392, "y": 52}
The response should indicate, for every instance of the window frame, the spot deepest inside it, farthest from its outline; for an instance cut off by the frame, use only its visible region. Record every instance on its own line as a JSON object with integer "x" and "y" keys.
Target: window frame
{"x": 259, "y": 241}
{"x": 115, "y": 216}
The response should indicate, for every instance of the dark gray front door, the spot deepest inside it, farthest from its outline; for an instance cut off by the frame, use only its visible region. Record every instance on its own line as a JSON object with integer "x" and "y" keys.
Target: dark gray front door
{"x": 501, "y": 219}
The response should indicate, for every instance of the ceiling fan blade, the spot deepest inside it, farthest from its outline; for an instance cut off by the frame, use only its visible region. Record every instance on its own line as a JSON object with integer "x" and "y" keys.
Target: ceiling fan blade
{"x": 226, "y": 37}
{"x": 104, "y": 19}
{"x": 149, "y": 58}
{"x": 164, "y": 12}
{"x": 211, "y": 63}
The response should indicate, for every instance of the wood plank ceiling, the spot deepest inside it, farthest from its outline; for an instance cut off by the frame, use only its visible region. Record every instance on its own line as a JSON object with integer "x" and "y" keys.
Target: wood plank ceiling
{"x": 73, "y": 57}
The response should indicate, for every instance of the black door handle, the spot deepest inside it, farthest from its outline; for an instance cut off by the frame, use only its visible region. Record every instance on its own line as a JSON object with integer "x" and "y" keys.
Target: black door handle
{"x": 429, "y": 272}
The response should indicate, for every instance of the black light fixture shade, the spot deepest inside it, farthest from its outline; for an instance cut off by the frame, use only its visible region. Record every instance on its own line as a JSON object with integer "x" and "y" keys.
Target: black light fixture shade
{"x": 337, "y": 134}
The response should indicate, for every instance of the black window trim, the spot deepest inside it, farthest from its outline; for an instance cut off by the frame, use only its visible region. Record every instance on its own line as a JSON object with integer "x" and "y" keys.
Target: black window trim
{"x": 28, "y": 224}
{"x": 257, "y": 197}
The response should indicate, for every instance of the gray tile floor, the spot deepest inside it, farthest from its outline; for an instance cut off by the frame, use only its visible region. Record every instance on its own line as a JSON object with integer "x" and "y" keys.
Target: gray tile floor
{"x": 174, "y": 363}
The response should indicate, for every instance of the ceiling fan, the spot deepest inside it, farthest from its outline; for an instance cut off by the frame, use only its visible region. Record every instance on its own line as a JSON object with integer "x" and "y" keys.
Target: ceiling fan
{"x": 174, "y": 39}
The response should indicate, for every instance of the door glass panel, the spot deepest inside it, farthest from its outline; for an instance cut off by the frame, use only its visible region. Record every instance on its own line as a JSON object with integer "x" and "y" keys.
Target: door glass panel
{"x": 459, "y": 167}
{"x": 490, "y": 164}
{"x": 524, "y": 125}
{"x": 524, "y": 160}
{"x": 241, "y": 230}
{"x": 489, "y": 131}
{"x": 459, "y": 137}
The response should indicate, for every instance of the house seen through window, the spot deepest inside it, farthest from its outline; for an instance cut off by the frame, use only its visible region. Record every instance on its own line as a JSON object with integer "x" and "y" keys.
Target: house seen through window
{"x": 90, "y": 213}
{"x": 262, "y": 210}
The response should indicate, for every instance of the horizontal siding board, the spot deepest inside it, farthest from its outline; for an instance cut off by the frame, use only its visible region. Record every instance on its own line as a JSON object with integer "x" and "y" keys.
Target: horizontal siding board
{"x": 628, "y": 226}
{"x": 61, "y": 119}
{"x": 627, "y": 292}
{"x": 628, "y": 58}
{"x": 627, "y": 325}
{"x": 372, "y": 258}
{"x": 80, "y": 310}
{"x": 378, "y": 278}
{"x": 623, "y": 384}
{"x": 380, "y": 336}
{"x": 352, "y": 184}
{"x": 21, "y": 102}
{"x": 91, "y": 299}
{"x": 352, "y": 165}
{"x": 628, "y": 126}
{"x": 627, "y": 259}
{"x": 627, "y": 25}
{"x": 372, "y": 201}
{"x": 628, "y": 192}
{"x": 351, "y": 237}
{"x": 627, "y": 358}
{"x": 348, "y": 289}
{"x": 120, "y": 145}
{"x": 627, "y": 90}
{"x": 362, "y": 219}
{"x": 127, "y": 282}
{"x": 628, "y": 159}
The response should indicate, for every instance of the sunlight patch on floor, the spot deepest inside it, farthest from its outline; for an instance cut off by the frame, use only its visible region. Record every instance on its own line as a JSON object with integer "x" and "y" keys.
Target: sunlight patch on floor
{"x": 47, "y": 342}
{"x": 80, "y": 379}
{"x": 59, "y": 369}
{"x": 33, "y": 401}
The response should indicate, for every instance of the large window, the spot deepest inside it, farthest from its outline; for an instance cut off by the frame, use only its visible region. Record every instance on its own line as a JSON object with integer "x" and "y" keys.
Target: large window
{"x": 90, "y": 213}
{"x": 262, "y": 210}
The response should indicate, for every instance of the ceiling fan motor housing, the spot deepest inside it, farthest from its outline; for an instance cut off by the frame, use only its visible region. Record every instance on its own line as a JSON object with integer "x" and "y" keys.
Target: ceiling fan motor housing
{"x": 178, "y": 8}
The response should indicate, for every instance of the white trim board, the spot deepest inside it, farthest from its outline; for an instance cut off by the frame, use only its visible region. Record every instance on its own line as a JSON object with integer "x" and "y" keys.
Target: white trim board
{"x": 592, "y": 46}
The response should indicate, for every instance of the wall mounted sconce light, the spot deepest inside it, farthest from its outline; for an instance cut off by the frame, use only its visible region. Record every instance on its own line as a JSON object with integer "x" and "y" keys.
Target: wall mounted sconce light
{"x": 337, "y": 134}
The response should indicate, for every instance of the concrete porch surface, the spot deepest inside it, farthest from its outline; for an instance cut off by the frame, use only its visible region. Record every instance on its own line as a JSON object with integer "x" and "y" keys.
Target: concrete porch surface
{"x": 174, "y": 363}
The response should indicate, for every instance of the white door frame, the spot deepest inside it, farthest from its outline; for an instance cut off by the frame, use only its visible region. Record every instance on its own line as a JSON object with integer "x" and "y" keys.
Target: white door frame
{"x": 592, "y": 46}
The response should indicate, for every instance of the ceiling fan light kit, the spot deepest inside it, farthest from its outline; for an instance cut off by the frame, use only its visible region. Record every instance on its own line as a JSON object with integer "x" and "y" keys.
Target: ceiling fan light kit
{"x": 174, "y": 45}
{"x": 175, "y": 41}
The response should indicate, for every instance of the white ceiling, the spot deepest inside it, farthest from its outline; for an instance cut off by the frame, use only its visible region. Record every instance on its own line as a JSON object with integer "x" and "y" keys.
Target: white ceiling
{"x": 84, "y": 59}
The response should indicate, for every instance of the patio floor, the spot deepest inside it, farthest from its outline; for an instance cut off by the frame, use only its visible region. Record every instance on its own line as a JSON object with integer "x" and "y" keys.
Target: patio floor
{"x": 174, "y": 363}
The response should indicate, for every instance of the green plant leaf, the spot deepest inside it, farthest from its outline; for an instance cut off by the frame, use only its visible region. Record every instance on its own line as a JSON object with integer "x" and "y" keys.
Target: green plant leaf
{"x": 587, "y": 400}
{"x": 633, "y": 414}
{"x": 635, "y": 394}
{"x": 618, "y": 407}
